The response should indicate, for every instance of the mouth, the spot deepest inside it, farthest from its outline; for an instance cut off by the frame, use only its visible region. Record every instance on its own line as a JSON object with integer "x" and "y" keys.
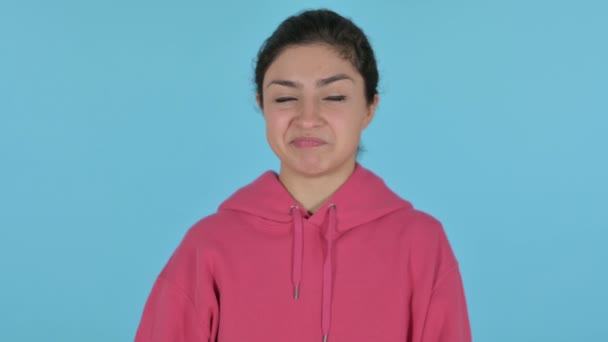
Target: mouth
{"x": 307, "y": 142}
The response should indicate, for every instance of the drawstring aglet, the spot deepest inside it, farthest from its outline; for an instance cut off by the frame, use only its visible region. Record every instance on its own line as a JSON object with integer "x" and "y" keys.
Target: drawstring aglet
{"x": 296, "y": 292}
{"x": 325, "y": 338}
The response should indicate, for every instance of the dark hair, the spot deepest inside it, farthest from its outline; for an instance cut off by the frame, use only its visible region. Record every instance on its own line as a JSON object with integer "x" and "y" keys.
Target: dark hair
{"x": 321, "y": 26}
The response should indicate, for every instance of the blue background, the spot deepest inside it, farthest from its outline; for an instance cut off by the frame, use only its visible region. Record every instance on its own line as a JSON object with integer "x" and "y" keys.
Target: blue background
{"x": 124, "y": 122}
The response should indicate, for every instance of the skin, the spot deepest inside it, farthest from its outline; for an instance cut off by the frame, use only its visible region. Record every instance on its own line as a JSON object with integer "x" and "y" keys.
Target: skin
{"x": 311, "y": 91}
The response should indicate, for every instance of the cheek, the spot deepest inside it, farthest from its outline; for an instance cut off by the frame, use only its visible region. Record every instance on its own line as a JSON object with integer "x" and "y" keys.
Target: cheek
{"x": 348, "y": 120}
{"x": 276, "y": 123}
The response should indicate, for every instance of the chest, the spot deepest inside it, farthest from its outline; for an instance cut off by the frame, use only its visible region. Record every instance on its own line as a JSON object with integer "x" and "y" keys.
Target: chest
{"x": 369, "y": 290}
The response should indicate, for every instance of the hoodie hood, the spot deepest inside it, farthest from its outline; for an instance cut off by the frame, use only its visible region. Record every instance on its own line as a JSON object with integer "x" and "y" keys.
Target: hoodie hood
{"x": 362, "y": 198}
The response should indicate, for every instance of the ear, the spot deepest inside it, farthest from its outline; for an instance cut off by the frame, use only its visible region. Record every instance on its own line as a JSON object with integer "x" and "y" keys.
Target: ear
{"x": 258, "y": 99}
{"x": 371, "y": 111}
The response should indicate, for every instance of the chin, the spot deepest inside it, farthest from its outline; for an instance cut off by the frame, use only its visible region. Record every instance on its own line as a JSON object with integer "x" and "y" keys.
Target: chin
{"x": 303, "y": 166}
{"x": 309, "y": 167}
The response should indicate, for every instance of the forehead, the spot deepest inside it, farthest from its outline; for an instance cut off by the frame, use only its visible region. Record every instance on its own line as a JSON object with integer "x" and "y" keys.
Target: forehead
{"x": 312, "y": 62}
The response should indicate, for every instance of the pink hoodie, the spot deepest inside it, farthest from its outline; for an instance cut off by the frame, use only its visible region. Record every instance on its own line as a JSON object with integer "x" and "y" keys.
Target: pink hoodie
{"x": 366, "y": 266}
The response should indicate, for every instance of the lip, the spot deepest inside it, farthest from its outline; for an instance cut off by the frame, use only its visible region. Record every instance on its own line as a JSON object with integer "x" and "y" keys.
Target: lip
{"x": 308, "y": 142}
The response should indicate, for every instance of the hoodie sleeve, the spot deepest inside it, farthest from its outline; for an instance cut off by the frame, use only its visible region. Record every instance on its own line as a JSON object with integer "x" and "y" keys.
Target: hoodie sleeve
{"x": 447, "y": 318}
{"x": 182, "y": 305}
{"x": 439, "y": 309}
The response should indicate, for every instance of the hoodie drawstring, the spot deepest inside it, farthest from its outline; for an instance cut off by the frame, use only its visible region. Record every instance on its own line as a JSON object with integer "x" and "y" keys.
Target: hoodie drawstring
{"x": 327, "y": 265}
{"x": 297, "y": 250}
{"x": 327, "y": 273}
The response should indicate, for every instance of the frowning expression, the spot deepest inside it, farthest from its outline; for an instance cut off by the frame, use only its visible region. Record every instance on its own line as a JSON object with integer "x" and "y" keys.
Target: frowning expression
{"x": 315, "y": 109}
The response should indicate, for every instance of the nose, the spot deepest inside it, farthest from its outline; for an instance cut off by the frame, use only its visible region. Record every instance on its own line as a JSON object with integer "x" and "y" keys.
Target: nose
{"x": 309, "y": 114}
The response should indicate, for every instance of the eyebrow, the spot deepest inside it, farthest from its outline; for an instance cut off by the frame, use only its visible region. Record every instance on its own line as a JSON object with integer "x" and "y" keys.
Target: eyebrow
{"x": 320, "y": 83}
{"x": 331, "y": 79}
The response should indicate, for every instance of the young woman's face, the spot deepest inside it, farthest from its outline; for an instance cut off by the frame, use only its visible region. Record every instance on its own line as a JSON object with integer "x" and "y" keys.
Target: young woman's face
{"x": 315, "y": 109}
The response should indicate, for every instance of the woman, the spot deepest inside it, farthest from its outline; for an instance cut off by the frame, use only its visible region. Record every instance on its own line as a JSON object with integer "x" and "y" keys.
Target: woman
{"x": 323, "y": 250}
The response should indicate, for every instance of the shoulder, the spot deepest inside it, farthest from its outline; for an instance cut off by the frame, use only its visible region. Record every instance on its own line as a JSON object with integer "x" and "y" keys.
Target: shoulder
{"x": 202, "y": 241}
{"x": 417, "y": 224}
{"x": 211, "y": 228}
{"x": 424, "y": 238}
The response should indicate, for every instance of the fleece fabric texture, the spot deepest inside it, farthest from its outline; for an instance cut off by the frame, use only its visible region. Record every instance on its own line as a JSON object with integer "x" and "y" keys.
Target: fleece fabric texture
{"x": 367, "y": 266}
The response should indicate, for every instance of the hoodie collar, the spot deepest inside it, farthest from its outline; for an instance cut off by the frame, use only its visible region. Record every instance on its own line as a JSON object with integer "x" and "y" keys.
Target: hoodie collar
{"x": 362, "y": 198}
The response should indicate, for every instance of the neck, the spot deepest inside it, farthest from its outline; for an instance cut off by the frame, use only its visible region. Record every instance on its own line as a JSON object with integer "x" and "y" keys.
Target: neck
{"x": 313, "y": 191}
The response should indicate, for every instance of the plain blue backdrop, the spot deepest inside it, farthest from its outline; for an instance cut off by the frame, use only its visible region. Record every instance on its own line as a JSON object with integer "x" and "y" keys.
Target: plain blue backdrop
{"x": 124, "y": 122}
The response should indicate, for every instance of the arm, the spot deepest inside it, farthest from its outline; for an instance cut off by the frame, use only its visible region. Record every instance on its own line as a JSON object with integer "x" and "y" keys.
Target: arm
{"x": 183, "y": 305}
{"x": 437, "y": 303}
{"x": 447, "y": 319}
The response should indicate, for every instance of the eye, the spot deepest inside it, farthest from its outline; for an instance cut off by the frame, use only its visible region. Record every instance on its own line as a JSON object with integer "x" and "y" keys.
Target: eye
{"x": 337, "y": 98}
{"x": 284, "y": 99}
